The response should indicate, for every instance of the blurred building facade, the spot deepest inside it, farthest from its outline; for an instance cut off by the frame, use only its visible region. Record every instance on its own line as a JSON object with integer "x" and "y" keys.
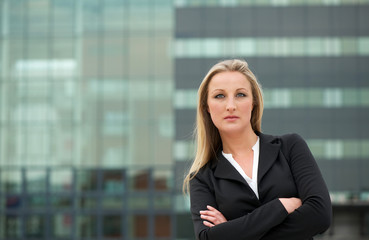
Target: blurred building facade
{"x": 98, "y": 98}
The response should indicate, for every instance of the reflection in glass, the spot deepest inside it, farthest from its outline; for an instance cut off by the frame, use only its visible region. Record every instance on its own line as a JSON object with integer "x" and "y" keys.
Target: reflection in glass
{"x": 113, "y": 182}
{"x": 12, "y": 226}
{"x": 163, "y": 201}
{"x": 138, "y": 202}
{"x": 112, "y": 226}
{"x": 11, "y": 180}
{"x": 87, "y": 226}
{"x": 88, "y": 202}
{"x": 35, "y": 226}
{"x": 112, "y": 203}
{"x": 62, "y": 201}
{"x": 62, "y": 225}
{"x": 87, "y": 180}
{"x": 61, "y": 180}
{"x": 38, "y": 201}
{"x": 36, "y": 180}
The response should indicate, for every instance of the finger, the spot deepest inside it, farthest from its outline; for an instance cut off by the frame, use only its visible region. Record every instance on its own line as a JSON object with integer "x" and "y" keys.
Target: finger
{"x": 210, "y": 213}
{"x": 209, "y": 218}
{"x": 208, "y": 224}
{"x": 211, "y": 208}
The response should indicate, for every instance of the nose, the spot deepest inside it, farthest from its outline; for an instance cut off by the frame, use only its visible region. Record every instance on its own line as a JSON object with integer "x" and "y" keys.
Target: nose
{"x": 230, "y": 105}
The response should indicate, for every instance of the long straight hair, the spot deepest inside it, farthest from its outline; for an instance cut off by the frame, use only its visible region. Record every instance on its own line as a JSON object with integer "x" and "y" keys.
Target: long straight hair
{"x": 208, "y": 139}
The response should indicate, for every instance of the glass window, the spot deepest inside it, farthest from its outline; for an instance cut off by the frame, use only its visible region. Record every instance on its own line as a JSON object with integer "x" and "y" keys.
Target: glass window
{"x": 36, "y": 181}
{"x": 116, "y": 203}
{"x": 12, "y": 226}
{"x": 87, "y": 226}
{"x": 364, "y": 148}
{"x": 11, "y": 179}
{"x": 62, "y": 225}
{"x": 64, "y": 17}
{"x": 139, "y": 180}
{"x": 61, "y": 180}
{"x": 364, "y": 46}
{"x": 113, "y": 182}
{"x": 350, "y": 97}
{"x": 88, "y": 202}
{"x": 163, "y": 226}
{"x": 332, "y": 97}
{"x": 212, "y": 47}
{"x": 364, "y": 97}
{"x": 138, "y": 226}
{"x": 62, "y": 201}
{"x": 35, "y": 226}
{"x": 87, "y": 180}
{"x": 315, "y": 97}
{"x": 163, "y": 201}
{"x": 112, "y": 226}
{"x": 36, "y": 201}
{"x": 351, "y": 149}
{"x": 334, "y": 149}
{"x": 246, "y": 47}
{"x": 139, "y": 202}
{"x": 349, "y": 46}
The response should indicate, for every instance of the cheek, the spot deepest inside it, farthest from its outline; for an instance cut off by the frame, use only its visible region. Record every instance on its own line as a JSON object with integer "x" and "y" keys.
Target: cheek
{"x": 213, "y": 109}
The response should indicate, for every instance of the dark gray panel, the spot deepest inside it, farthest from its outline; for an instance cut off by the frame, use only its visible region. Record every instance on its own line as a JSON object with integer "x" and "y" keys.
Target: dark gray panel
{"x": 295, "y": 27}
{"x": 254, "y": 21}
{"x": 189, "y": 22}
{"x": 345, "y": 175}
{"x": 267, "y": 21}
{"x": 215, "y": 22}
{"x": 242, "y": 22}
{"x": 315, "y": 123}
{"x": 345, "y": 25}
{"x": 285, "y": 72}
{"x": 341, "y": 123}
{"x": 363, "y": 20}
{"x": 319, "y": 21}
{"x": 184, "y": 124}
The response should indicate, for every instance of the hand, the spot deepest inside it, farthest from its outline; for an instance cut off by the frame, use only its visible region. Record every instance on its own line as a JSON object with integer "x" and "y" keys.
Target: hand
{"x": 291, "y": 204}
{"x": 212, "y": 216}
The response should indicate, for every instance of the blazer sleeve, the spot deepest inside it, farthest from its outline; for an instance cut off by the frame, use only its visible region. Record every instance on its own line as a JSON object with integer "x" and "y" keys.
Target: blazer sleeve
{"x": 314, "y": 216}
{"x": 251, "y": 226}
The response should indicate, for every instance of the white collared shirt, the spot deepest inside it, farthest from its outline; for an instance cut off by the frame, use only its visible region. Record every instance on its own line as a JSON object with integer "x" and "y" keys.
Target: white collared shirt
{"x": 253, "y": 182}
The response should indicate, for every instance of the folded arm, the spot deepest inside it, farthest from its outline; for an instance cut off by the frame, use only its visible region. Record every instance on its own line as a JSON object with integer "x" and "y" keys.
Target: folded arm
{"x": 250, "y": 226}
{"x": 314, "y": 216}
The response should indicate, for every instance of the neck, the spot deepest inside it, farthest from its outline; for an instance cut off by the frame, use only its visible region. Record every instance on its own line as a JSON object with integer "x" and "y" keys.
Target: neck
{"x": 239, "y": 143}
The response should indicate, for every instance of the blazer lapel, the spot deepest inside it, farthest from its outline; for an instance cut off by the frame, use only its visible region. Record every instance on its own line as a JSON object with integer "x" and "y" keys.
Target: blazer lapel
{"x": 224, "y": 169}
{"x": 269, "y": 149}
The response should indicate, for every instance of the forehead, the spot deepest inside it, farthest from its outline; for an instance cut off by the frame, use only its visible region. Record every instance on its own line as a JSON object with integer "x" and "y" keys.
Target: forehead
{"x": 229, "y": 80}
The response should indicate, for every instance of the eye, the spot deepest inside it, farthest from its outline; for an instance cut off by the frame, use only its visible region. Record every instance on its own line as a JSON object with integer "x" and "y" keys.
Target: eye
{"x": 240, "y": 95}
{"x": 219, "y": 96}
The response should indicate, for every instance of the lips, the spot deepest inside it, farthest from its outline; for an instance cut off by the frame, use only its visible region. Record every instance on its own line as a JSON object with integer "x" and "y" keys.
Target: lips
{"x": 231, "y": 117}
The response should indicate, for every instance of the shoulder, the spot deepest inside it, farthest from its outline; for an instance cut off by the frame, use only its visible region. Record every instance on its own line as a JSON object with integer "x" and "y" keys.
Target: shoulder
{"x": 287, "y": 142}
{"x": 280, "y": 139}
{"x": 205, "y": 171}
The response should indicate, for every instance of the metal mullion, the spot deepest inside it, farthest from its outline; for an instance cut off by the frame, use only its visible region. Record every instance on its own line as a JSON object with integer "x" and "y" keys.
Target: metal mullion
{"x": 151, "y": 212}
{"x": 23, "y": 207}
{"x": 124, "y": 221}
{"x": 47, "y": 217}
{"x": 75, "y": 202}
{"x": 99, "y": 211}
{"x": 173, "y": 218}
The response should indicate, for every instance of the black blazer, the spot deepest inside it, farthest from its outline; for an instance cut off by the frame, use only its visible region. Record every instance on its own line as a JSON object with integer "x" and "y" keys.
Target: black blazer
{"x": 286, "y": 169}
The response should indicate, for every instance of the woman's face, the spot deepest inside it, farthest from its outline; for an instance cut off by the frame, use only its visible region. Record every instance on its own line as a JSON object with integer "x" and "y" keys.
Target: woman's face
{"x": 230, "y": 102}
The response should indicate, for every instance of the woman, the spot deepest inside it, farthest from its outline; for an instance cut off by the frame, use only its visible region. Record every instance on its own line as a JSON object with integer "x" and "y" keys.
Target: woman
{"x": 244, "y": 184}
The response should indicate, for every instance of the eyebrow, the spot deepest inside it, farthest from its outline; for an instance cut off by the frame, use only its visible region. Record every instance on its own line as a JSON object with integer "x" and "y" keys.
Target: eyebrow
{"x": 219, "y": 89}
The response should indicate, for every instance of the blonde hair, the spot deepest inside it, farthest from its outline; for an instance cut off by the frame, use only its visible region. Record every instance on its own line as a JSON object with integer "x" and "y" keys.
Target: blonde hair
{"x": 207, "y": 135}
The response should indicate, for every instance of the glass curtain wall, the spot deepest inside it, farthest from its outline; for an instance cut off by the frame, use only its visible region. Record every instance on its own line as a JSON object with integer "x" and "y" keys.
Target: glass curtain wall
{"x": 86, "y": 119}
